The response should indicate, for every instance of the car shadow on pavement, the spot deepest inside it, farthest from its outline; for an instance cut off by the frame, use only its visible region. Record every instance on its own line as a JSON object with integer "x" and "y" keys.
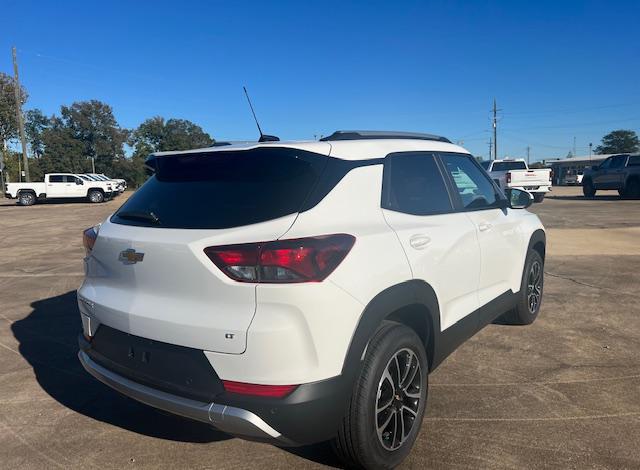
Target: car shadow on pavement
{"x": 48, "y": 341}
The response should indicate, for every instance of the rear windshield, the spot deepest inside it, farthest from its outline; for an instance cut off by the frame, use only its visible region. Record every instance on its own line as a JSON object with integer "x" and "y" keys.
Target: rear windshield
{"x": 219, "y": 190}
{"x": 507, "y": 166}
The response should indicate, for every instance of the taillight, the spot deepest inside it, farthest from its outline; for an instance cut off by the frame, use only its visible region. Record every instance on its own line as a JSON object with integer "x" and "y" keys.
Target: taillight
{"x": 273, "y": 391}
{"x": 282, "y": 261}
{"x": 89, "y": 237}
{"x": 508, "y": 177}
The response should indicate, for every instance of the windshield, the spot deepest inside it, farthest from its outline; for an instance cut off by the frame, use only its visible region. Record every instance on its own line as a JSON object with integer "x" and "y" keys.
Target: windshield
{"x": 223, "y": 189}
{"x": 508, "y": 166}
{"x": 485, "y": 165}
{"x": 85, "y": 177}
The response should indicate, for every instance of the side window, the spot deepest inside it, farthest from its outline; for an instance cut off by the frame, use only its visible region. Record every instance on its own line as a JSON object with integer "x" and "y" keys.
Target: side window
{"x": 56, "y": 179}
{"x": 474, "y": 187}
{"x": 619, "y": 161}
{"x": 634, "y": 160}
{"x": 485, "y": 165}
{"x": 413, "y": 184}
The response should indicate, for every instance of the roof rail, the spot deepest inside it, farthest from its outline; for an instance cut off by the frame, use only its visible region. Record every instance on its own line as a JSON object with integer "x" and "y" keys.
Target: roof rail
{"x": 360, "y": 135}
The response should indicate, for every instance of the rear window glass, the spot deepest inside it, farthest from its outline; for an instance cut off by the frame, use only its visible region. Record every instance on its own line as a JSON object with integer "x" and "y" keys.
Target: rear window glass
{"x": 508, "y": 166}
{"x": 413, "y": 184}
{"x": 219, "y": 190}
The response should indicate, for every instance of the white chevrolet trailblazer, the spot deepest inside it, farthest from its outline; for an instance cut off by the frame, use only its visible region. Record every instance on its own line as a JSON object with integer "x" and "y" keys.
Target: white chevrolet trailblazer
{"x": 298, "y": 292}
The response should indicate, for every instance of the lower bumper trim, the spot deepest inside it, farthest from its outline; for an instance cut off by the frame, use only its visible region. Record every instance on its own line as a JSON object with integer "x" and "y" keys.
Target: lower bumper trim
{"x": 229, "y": 419}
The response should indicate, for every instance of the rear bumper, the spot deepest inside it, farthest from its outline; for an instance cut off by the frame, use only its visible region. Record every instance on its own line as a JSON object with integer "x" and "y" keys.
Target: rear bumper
{"x": 311, "y": 413}
{"x": 232, "y": 420}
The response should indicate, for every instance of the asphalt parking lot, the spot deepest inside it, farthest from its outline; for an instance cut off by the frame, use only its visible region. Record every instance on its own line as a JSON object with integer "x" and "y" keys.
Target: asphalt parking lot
{"x": 562, "y": 393}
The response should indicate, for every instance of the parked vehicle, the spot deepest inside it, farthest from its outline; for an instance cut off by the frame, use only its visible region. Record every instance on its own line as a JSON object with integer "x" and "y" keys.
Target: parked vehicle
{"x": 514, "y": 173}
{"x": 621, "y": 172}
{"x": 305, "y": 290}
{"x": 60, "y": 185}
{"x": 119, "y": 184}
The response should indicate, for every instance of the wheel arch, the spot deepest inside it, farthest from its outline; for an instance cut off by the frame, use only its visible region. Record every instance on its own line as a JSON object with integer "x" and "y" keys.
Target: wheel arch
{"x": 538, "y": 242}
{"x": 412, "y": 303}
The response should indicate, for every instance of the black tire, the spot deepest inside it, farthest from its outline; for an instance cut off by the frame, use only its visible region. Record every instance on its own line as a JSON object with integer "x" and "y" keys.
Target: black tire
{"x": 95, "y": 196}
{"x": 588, "y": 189}
{"x": 27, "y": 198}
{"x": 632, "y": 189}
{"x": 360, "y": 443}
{"x": 527, "y": 308}
{"x": 538, "y": 197}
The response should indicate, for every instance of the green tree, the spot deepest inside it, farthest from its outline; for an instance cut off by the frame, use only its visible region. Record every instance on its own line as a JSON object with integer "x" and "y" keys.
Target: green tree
{"x": 157, "y": 135}
{"x": 8, "y": 124}
{"x": 35, "y": 123}
{"x": 63, "y": 150}
{"x": 93, "y": 124}
{"x": 620, "y": 141}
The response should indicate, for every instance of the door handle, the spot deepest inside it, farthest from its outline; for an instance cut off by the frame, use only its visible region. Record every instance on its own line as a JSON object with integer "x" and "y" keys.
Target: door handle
{"x": 484, "y": 226}
{"x": 419, "y": 242}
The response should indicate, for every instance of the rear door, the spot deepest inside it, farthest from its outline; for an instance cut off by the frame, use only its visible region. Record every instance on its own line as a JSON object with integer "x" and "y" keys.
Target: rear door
{"x": 498, "y": 235}
{"x": 148, "y": 274}
{"x": 56, "y": 186}
{"x": 440, "y": 244}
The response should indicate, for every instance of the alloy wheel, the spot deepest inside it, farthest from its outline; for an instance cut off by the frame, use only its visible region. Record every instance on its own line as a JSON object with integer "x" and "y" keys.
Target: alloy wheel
{"x": 534, "y": 287}
{"x": 398, "y": 399}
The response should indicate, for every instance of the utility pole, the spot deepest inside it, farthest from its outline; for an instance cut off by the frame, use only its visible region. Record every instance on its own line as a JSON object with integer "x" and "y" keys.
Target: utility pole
{"x": 23, "y": 141}
{"x": 528, "y": 149}
{"x": 574, "y": 146}
{"x": 490, "y": 148}
{"x": 495, "y": 131}
{"x": 590, "y": 145}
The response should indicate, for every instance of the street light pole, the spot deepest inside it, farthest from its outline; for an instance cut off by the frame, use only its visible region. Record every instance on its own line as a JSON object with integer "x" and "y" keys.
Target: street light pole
{"x": 590, "y": 145}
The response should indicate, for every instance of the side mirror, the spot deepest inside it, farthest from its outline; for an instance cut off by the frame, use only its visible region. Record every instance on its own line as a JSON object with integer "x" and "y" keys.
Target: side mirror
{"x": 79, "y": 182}
{"x": 519, "y": 199}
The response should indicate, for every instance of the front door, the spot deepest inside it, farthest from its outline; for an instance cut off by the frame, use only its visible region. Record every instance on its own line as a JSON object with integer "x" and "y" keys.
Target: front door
{"x": 498, "y": 235}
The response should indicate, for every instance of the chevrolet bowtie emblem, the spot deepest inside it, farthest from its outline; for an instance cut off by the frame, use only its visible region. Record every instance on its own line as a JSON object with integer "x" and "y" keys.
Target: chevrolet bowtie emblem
{"x": 130, "y": 256}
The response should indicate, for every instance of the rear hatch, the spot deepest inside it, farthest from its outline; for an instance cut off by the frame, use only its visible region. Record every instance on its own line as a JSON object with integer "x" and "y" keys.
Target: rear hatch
{"x": 147, "y": 274}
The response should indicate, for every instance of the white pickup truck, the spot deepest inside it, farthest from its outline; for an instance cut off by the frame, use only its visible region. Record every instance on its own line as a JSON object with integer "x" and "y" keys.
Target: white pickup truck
{"x": 514, "y": 173}
{"x": 60, "y": 185}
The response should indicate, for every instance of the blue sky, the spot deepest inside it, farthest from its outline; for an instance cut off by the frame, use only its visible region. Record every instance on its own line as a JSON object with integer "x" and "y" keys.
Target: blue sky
{"x": 558, "y": 69}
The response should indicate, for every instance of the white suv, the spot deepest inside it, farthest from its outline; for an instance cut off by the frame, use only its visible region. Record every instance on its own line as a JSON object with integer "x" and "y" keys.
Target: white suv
{"x": 300, "y": 292}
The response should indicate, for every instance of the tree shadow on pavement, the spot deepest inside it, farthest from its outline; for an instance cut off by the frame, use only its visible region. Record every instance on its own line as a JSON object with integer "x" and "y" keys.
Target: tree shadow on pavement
{"x": 48, "y": 341}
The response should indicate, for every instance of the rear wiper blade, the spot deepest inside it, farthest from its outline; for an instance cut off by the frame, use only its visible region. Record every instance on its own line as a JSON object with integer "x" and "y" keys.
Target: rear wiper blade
{"x": 144, "y": 216}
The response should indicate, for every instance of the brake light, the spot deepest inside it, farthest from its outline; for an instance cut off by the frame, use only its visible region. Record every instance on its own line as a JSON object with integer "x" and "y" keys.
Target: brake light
{"x": 273, "y": 391}
{"x": 508, "y": 177}
{"x": 89, "y": 237}
{"x": 282, "y": 261}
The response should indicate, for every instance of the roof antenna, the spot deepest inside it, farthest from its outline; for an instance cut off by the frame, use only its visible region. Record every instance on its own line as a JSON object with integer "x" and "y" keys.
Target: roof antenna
{"x": 263, "y": 137}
